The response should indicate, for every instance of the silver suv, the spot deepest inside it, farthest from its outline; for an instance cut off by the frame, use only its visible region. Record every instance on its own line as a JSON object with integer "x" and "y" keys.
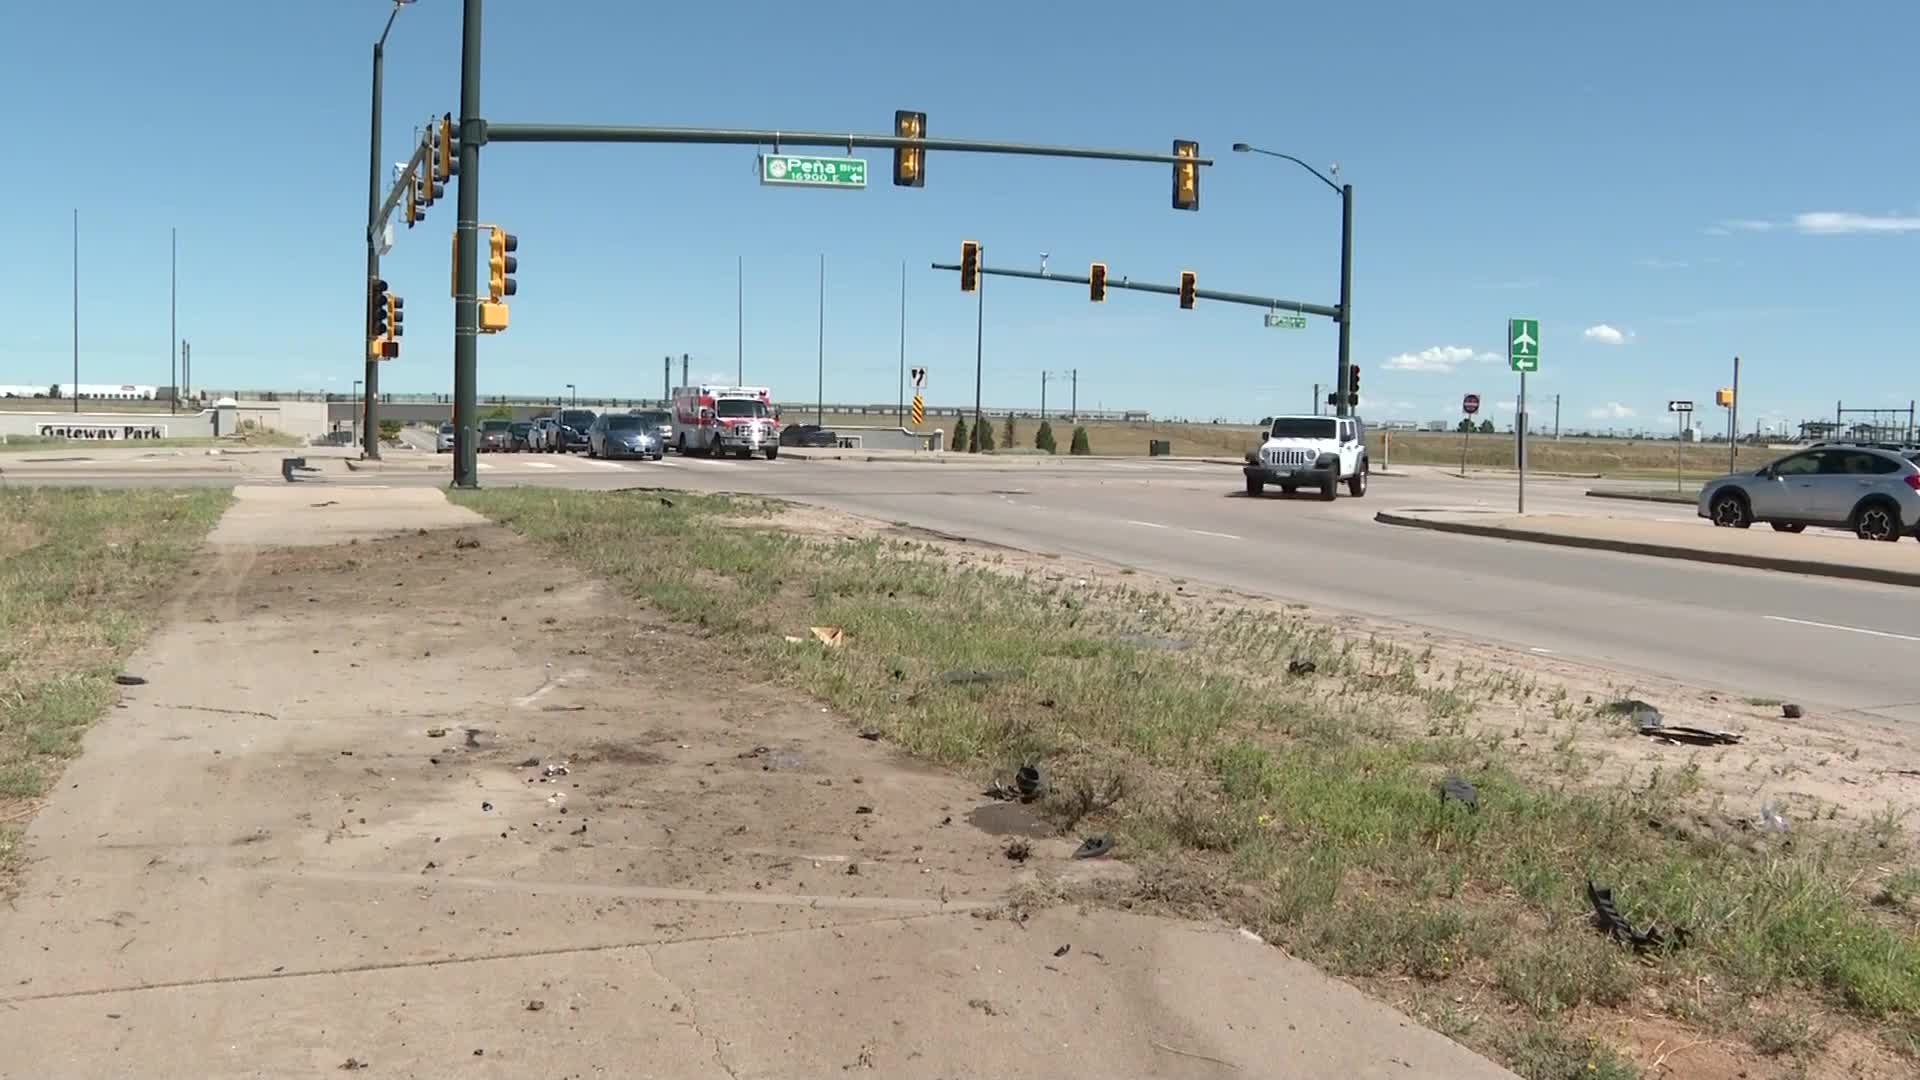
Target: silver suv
{"x": 1876, "y": 493}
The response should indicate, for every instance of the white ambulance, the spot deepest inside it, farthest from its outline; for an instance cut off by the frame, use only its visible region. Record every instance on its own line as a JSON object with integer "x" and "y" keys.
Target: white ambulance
{"x": 725, "y": 419}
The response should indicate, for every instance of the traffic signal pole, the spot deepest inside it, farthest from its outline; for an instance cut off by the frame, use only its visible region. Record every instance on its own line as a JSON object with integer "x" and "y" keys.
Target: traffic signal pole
{"x": 1346, "y": 301}
{"x": 466, "y": 299}
{"x": 370, "y": 430}
{"x": 1246, "y": 299}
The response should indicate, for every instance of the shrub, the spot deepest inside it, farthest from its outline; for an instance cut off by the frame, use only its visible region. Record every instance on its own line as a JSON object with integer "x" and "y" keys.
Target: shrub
{"x": 983, "y": 434}
{"x": 1080, "y": 446}
{"x": 1043, "y": 438}
{"x": 960, "y": 435}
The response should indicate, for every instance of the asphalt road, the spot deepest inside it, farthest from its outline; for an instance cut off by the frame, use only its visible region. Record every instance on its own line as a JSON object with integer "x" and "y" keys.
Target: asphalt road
{"x": 1835, "y": 644}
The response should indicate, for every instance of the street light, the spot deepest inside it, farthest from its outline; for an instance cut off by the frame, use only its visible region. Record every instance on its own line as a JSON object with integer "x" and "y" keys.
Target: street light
{"x": 371, "y": 446}
{"x": 1342, "y": 391}
{"x": 575, "y": 393}
{"x": 356, "y": 409}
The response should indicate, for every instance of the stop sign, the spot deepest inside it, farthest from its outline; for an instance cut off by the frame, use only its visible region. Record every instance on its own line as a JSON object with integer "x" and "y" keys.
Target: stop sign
{"x": 1470, "y": 404}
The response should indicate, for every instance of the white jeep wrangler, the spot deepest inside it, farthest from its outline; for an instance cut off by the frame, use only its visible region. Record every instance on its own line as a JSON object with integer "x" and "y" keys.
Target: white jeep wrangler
{"x": 1310, "y": 451}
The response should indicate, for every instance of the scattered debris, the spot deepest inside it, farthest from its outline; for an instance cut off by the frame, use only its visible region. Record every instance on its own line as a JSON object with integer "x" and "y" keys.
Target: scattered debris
{"x": 1093, "y": 847}
{"x": 473, "y": 738}
{"x": 791, "y": 640}
{"x": 536, "y": 1005}
{"x": 466, "y": 543}
{"x": 1692, "y": 736}
{"x": 1640, "y": 712}
{"x": 130, "y": 680}
{"x": 436, "y": 733}
{"x": 1791, "y": 711}
{"x": 853, "y": 869}
{"x": 1459, "y": 790}
{"x": 1019, "y": 850}
{"x": 581, "y": 831}
{"x": 666, "y": 502}
{"x": 485, "y": 806}
{"x": 1773, "y": 818}
{"x": 1063, "y": 950}
{"x": 863, "y": 809}
{"x": 758, "y": 751}
{"x": 1608, "y": 919}
{"x": 558, "y": 768}
{"x": 352, "y": 1064}
{"x": 558, "y": 798}
{"x": 830, "y": 636}
{"x": 1028, "y": 782}
{"x": 871, "y": 734}
{"x": 984, "y": 1006}
{"x": 1301, "y": 666}
{"x": 329, "y": 502}
{"x": 530, "y": 763}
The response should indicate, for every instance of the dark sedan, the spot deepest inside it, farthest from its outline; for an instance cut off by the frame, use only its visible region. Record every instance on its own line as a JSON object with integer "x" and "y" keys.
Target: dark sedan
{"x": 808, "y": 435}
{"x": 616, "y": 435}
{"x": 572, "y": 432}
{"x": 518, "y": 434}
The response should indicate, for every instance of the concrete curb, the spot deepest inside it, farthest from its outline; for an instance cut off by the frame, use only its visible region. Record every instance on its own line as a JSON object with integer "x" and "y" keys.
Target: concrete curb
{"x": 1640, "y": 496}
{"x": 1811, "y": 567}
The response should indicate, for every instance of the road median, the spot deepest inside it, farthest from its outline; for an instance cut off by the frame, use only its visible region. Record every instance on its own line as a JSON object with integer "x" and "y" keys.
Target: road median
{"x": 1822, "y": 556}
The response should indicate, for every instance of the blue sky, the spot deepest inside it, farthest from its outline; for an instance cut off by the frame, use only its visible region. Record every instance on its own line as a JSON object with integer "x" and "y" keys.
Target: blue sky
{"x": 1662, "y": 185}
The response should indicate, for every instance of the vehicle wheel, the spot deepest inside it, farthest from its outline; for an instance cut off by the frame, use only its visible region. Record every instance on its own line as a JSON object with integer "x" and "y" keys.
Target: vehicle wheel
{"x": 1729, "y": 511}
{"x": 1330, "y": 486}
{"x": 1357, "y": 484}
{"x": 746, "y": 455}
{"x": 1877, "y": 521}
{"x": 1255, "y": 486}
{"x": 1789, "y": 526}
{"x": 772, "y": 452}
{"x": 680, "y": 444}
{"x": 1289, "y": 489}
{"x": 590, "y": 450}
{"x": 659, "y": 455}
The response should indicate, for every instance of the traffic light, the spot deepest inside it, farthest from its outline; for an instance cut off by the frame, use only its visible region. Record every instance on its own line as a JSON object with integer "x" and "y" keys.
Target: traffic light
{"x": 969, "y": 265}
{"x": 501, "y": 264}
{"x": 1186, "y": 289}
{"x": 1723, "y": 397}
{"x": 396, "y": 326}
{"x": 446, "y": 150}
{"x": 1186, "y": 176}
{"x": 414, "y": 211}
{"x": 909, "y": 163}
{"x": 376, "y": 311}
{"x": 1097, "y": 283}
{"x": 1353, "y": 385}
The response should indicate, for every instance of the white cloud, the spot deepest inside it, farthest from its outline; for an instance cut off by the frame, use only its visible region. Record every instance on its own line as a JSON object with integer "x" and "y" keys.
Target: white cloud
{"x": 1612, "y": 410}
{"x": 1606, "y": 335}
{"x": 1834, "y": 222}
{"x": 1747, "y": 225}
{"x": 1441, "y": 358}
{"x": 1654, "y": 262}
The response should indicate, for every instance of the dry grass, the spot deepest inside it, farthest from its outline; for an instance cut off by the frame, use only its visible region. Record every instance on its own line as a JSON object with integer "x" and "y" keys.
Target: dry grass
{"x": 83, "y": 574}
{"x": 1306, "y": 806}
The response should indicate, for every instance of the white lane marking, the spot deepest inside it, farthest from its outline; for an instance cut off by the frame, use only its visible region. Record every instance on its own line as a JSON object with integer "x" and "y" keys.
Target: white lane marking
{"x": 1147, "y": 524}
{"x": 1541, "y": 651}
{"x": 1223, "y": 536}
{"x": 598, "y": 464}
{"x": 482, "y": 465}
{"x": 1848, "y": 629}
{"x": 541, "y": 465}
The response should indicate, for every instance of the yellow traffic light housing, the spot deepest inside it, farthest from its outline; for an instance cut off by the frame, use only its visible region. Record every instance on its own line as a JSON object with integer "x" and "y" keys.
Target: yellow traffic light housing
{"x": 493, "y": 317}
{"x": 1186, "y": 177}
{"x": 446, "y": 150}
{"x": 909, "y": 163}
{"x": 969, "y": 265}
{"x": 1186, "y": 290}
{"x": 1723, "y": 397}
{"x": 500, "y": 264}
{"x": 1097, "y": 283}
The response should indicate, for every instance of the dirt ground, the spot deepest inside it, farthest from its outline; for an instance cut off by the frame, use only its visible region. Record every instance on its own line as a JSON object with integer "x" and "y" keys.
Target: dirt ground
{"x": 432, "y": 803}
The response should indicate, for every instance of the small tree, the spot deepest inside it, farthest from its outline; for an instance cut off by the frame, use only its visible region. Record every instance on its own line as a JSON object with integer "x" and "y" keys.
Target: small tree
{"x": 390, "y": 430}
{"x": 1486, "y": 427}
{"x": 960, "y": 435}
{"x": 1009, "y": 436}
{"x": 1043, "y": 438}
{"x": 983, "y": 433}
{"x": 1080, "y": 447}
{"x": 1465, "y": 425}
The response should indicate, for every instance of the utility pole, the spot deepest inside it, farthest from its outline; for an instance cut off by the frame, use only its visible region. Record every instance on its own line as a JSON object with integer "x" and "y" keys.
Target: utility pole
{"x": 820, "y": 402}
{"x": 900, "y": 414}
{"x": 979, "y": 328}
{"x": 466, "y": 302}
{"x": 740, "y": 320}
{"x": 666, "y": 378}
{"x": 1556, "y": 418}
{"x": 173, "y": 321}
{"x": 76, "y": 309}
{"x": 1043, "y": 396}
{"x": 1076, "y": 395}
{"x": 1733, "y": 421}
{"x": 1316, "y": 399}
{"x": 1346, "y": 300}
{"x": 186, "y": 363}
{"x": 370, "y": 446}
{"x": 686, "y": 363}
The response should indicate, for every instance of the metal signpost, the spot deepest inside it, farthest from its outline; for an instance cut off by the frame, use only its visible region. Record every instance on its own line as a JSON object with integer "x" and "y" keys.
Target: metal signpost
{"x": 805, "y": 170}
{"x": 1469, "y": 405}
{"x": 1523, "y": 355}
{"x": 919, "y": 413}
{"x": 1682, "y": 414}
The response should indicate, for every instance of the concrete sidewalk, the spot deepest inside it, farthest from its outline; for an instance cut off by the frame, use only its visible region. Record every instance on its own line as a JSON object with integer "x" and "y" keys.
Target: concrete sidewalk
{"x": 1821, "y": 554}
{"x": 403, "y": 793}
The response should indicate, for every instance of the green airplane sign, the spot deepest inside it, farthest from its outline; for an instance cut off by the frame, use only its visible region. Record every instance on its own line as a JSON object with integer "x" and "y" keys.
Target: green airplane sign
{"x": 1523, "y": 344}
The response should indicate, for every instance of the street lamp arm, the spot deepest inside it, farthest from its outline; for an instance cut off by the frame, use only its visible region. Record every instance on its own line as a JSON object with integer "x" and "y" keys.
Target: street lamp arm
{"x": 1322, "y": 177}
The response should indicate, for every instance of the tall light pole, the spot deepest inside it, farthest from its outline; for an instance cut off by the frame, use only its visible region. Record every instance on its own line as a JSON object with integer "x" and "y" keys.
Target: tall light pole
{"x": 575, "y": 394}
{"x": 820, "y": 402}
{"x": 173, "y": 322}
{"x": 1341, "y": 386}
{"x": 76, "y": 309}
{"x": 370, "y": 448}
{"x": 739, "y": 320}
{"x": 900, "y": 412}
{"x": 356, "y": 406}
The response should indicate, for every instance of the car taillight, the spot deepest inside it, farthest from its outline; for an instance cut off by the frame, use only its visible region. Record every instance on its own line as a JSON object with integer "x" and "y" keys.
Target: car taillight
{"x": 1913, "y": 481}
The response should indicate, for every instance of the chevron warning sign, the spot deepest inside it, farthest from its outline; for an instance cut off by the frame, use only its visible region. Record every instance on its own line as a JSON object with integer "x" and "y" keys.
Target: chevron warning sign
{"x": 919, "y": 412}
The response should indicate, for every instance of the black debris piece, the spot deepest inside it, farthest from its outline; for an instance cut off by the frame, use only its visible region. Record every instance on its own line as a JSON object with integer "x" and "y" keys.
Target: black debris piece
{"x": 972, "y": 678}
{"x": 666, "y": 502}
{"x": 1692, "y": 736}
{"x": 1791, "y": 711}
{"x": 870, "y": 734}
{"x": 129, "y": 680}
{"x": 1063, "y": 950}
{"x": 1028, "y": 783}
{"x": 863, "y": 809}
{"x": 1093, "y": 847}
{"x": 1301, "y": 666}
{"x": 485, "y": 806}
{"x": 1018, "y": 850}
{"x": 1459, "y": 790}
{"x": 352, "y": 1065}
{"x": 1608, "y": 920}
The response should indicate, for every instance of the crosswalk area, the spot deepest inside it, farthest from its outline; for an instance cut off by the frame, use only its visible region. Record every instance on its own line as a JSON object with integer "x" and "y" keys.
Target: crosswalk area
{"x": 576, "y": 464}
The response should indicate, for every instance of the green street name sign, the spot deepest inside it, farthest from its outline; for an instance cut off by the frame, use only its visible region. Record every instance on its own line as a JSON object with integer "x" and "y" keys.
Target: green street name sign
{"x": 1286, "y": 320}
{"x": 802, "y": 170}
{"x": 1523, "y": 344}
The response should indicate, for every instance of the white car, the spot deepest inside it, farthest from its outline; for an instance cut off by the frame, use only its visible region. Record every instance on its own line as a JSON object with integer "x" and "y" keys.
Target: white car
{"x": 443, "y": 442}
{"x": 1310, "y": 451}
